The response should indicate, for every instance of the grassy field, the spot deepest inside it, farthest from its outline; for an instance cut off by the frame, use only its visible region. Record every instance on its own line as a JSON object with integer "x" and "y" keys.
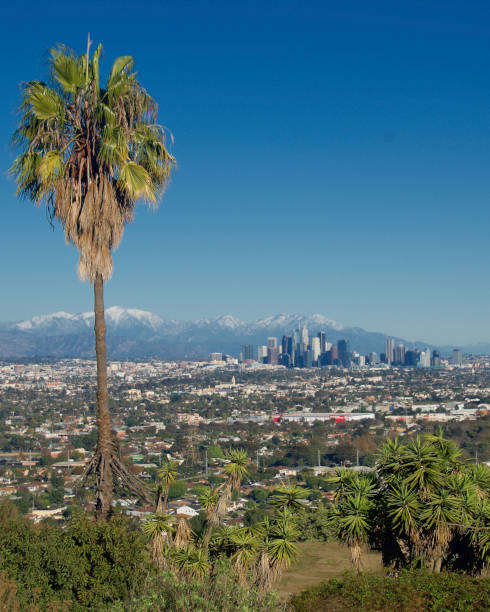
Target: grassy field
{"x": 320, "y": 561}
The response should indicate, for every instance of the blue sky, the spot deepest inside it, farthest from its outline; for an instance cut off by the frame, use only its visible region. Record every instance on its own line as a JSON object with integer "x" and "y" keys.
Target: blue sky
{"x": 334, "y": 157}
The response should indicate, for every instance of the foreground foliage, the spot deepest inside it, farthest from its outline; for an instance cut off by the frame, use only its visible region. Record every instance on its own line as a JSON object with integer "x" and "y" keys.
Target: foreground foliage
{"x": 423, "y": 507}
{"x": 408, "y": 591}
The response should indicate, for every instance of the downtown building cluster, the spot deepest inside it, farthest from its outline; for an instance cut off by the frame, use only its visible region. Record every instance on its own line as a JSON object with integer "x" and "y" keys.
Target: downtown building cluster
{"x": 298, "y": 350}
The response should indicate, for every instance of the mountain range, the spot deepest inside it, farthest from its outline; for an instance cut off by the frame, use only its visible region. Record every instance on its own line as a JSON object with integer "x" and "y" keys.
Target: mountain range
{"x": 133, "y": 333}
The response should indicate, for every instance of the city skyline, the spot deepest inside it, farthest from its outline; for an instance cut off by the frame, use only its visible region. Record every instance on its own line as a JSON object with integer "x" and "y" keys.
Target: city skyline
{"x": 337, "y": 153}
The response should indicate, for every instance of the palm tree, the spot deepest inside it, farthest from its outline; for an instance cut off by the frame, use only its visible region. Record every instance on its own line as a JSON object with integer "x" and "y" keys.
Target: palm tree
{"x": 278, "y": 549}
{"x": 183, "y": 533}
{"x": 246, "y": 545}
{"x": 166, "y": 474}
{"x": 288, "y": 496}
{"x": 236, "y": 469}
{"x": 351, "y": 518}
{"x": 209, "y": 500}
{"x": 159, "y": 528}
{"x": 191, "y": 562}
{"x": 89, "y": 153}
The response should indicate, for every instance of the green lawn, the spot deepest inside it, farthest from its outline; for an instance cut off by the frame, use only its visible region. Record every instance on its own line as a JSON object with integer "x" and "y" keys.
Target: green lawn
{"x": 321, "y": 561}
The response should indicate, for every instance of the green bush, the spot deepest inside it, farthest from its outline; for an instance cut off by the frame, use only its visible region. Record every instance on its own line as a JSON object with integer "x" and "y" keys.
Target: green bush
{"x": 220, "y": 592}
{"x": 90, "y": 565}
{"x": 409, "y": 591}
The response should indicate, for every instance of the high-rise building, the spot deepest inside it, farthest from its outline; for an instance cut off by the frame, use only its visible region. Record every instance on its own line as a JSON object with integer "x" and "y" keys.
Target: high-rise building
{"x": 436, "y": 359}
{"x": 424, "y": 359}
{"x": 248, "y": 352}
{"x": 411, "y": 357}
{"x": 315, "y": 348}
{"x": 343, "y": 348}
{"x": 272, "y": 352}
{"x": 305, "y": 340}
{"x": 457, "y": 357}
{"x": 399, "y": 357}
{"x": 390, "y": 350}
{"x": 261, "y": 353}
{"x": 308, "y": 359}
{"x": 216, "y": 357}
{"x": 272, "y": 356}
{"x": 323, "y": 342}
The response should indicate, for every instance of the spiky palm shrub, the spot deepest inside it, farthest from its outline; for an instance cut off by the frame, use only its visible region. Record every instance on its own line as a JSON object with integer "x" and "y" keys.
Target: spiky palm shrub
{"x": 166, "y": 476}
{"x": 209, "y": 500}
{"x": 430, "y": 505}
{"x": 89, "y": 152}
{"x": 159, "y": 528}
{"x": 236, "y": 469}
{"x": 288, "y": 496}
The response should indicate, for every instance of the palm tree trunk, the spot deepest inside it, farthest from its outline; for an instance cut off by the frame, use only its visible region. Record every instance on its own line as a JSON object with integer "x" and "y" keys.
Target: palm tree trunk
{"x": 104, "y": 444}
{"x": 106, "y": 465}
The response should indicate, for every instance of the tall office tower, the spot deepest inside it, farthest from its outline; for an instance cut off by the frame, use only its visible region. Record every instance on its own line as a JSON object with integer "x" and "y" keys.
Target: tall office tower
{"x": 457, "y": 357}
{"x": 290, "y": 350}
{"x": 323, "y": 342}
{"x": 315, "y": 348}
{"x": 304, "y": 337}
{"x": 436, "y": 359}
{"x": 216, "y": 357}
{"x": 373, "y": 358}
{"x": 248, "y": 352}
{"x": 334, "y": 355}
{"x": 424, "y": 359}
{"x": 272, "y": 343}
{"x": 296, "y": 347}
{"x": 343, "y": 348}
{"x": 272, "y": 355}
{"x": 390, "y": 349}
{"x": 328, "y": 346}
{"x": 308, "y": 359}
{"x": 400, "y": 351}
{"x": 411, "y": 357}
{"x": 261, "y": 353}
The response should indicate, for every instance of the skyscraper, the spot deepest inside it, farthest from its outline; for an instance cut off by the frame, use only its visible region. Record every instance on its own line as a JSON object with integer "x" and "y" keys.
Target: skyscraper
{"x": 457, "y": 357}
{"x": 390, "y": 350}
{"x": 272, "y": 342}
{"x": 343, "y": 348}
{"x": 323, "y": 342}
{"x": 436, "y": 359}
{"x": 315, "y": 348}
{"x": 304, "y": 338}
{"x": 261, "y": 353}
{"x": 272, "y": 352}
{"x": 248, "y": 352}
{"x": 424, "y": 359}
{"x": 399, "y": 356}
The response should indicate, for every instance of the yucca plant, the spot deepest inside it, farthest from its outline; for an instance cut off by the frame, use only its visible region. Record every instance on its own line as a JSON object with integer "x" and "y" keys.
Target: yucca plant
{"x": 289, "y": 496}
{"x": 159, "y": 527}
{"x": 166, "y": 476}
{"x": 89, "y": 152}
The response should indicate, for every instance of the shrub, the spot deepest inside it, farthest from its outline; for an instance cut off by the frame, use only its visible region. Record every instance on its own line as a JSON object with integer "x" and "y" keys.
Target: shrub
{"x": 90, "y": 565}
{"x": 220, "y": 592}
{"x": 409, "y": 591}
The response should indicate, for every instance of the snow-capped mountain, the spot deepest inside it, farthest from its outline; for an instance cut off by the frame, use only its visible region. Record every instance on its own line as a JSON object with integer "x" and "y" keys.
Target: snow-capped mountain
{"x": 131, "y": 319}
{"x": 133, "y": 333}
